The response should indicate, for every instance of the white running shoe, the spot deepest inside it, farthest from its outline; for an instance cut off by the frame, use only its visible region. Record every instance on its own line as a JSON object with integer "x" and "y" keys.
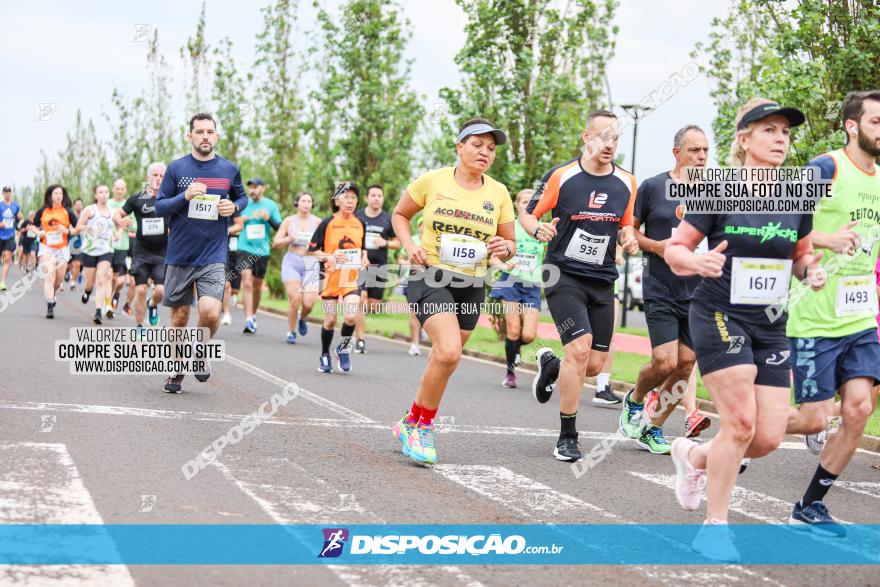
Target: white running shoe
{"x": 414, "y": 350}
{"x": 226, "y": 320}
{"x": 690, "y": 483}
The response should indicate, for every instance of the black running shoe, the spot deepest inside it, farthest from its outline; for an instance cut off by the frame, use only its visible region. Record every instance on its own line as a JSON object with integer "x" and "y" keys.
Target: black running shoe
{"x": 172, "y": 384}
{"x": 567, "y": 449}
{"x": 816, "y": 517}
{"x": 97, "y": 318}
{"x": 548, "y": 371}
{"x": 606, "y": 398}
{"x": 202, "y": 377}
{"x": 115, "y": 301}
{"x": 50, "y": 310}
{"x": 360, "y": 347}
{"x": 744, "y": 464}
{"x": 85, "y": 297}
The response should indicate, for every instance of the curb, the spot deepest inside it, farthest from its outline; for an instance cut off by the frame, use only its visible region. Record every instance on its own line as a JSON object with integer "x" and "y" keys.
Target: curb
{"x": 871, "y": 443}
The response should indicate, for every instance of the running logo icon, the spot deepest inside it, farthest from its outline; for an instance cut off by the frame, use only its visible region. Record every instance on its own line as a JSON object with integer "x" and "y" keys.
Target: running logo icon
{"x": 736, "y": 344}
{"x": 334, "y": 540}
{"x": 780, "y": 360}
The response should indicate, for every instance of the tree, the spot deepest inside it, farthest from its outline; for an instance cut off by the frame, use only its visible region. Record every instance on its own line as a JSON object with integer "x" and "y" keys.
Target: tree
{"x": 159, "y": 132}
{"x": 534, "y": 70}
{"x": 195, "y": 57}
{"x": 233, "y": 110}
{"x": 808, "y": 54}
{"x": 365, "y": 114}
{"x": 280, "y": 109}
{"x": 79, "y": 166}
{"x": 127, "y": 142}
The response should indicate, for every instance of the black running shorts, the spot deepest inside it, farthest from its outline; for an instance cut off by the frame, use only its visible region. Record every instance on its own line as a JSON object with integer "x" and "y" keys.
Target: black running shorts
{"x": 725, "y": 340}
{"x": 668, "y": 320}
{"x": 438, "y": 291}
{"x": 582, "y": 305}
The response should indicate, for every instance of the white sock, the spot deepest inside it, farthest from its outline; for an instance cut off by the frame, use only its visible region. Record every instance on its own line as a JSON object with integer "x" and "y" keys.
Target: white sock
{"x": 602, "y": 380}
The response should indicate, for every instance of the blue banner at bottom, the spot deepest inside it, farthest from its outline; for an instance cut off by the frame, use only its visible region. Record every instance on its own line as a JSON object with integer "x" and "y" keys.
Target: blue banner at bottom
{"x": 588, "y": 544}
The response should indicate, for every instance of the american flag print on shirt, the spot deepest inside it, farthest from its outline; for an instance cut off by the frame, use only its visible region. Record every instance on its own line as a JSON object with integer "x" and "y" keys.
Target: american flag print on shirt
{"x": 217, "y": 183}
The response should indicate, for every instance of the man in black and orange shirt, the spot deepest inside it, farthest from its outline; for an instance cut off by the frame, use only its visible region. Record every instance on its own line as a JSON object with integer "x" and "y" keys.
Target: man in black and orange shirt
{"x": 338, "y": 243}
{"x": 591, "y": 202}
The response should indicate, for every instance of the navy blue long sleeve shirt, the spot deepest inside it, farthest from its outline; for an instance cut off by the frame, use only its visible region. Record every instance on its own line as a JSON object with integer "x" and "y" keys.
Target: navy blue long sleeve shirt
{"x": 195, "y": 242}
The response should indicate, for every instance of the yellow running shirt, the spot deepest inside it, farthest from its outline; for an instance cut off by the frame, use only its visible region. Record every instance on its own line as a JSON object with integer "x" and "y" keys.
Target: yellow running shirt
{"x": 459, "y": 222}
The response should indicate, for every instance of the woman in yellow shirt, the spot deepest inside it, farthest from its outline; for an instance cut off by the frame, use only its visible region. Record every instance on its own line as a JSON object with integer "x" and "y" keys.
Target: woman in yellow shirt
{"x": 468, "y": 217}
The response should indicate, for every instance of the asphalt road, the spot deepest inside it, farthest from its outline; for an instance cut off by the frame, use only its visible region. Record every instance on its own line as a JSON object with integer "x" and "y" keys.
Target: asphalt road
{"x": 93, "y": 449}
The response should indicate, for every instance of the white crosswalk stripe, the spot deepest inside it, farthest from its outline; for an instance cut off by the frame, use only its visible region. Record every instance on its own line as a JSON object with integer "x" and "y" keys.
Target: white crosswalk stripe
{"x": 770, "y": 510}
{"x": 39, "y": 484}
{"x": 544, "y": 505}
{"x": 308, "y": 499}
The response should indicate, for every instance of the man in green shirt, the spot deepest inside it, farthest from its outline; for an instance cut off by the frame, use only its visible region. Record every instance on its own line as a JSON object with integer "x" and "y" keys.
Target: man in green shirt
{"x": 254, "y": 247}
{"x": 833, "y": 332}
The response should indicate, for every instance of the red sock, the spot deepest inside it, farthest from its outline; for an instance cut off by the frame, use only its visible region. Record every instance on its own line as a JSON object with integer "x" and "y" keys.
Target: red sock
{"x": 414, "y": 412}
{"x": 427, "y": 417}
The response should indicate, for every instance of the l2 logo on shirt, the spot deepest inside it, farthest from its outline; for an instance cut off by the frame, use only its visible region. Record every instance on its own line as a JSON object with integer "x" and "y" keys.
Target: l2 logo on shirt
{"x": 334, "y": 541}
{"x": 597, "y": 200}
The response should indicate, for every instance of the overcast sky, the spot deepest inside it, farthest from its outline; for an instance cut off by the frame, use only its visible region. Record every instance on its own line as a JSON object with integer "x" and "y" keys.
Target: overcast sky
{"x": 72, "y": 57}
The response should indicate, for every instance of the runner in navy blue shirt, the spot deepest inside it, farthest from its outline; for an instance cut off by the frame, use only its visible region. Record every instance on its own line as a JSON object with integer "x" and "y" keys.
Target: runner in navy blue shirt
{"x": 198, "y": 195}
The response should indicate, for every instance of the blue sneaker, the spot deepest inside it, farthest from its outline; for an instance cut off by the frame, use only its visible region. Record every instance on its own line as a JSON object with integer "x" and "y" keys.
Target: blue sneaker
{"x": 343, "y": 357}
{"x": 815, "y": 517}
{"x": 303, "y": 327}
{"x": 250, "y": 326}
{"x": 153, "y": 314}
{"x": 325, "y": 366}
{"x": 291, "y": 338}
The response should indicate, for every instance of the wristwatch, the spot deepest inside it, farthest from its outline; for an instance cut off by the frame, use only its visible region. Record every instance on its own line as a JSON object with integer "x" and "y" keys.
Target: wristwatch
{"x": 537, "y": 228}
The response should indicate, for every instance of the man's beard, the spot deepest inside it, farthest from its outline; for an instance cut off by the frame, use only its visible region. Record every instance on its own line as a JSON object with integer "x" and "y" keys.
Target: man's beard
{"x": 202, "y": 148}
{"x": 867, "y": 145}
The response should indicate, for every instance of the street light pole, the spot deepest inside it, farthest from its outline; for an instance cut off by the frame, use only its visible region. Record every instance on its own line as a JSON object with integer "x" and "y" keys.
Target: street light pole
{"x": 636, "y": 112}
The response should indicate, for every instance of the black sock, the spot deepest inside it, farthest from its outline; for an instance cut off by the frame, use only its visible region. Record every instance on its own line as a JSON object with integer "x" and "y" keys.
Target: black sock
{"x": 326, "y": 339}
{"x": 347, "y": 331}
{"x": 519, "y": 344}
{"x": 567, "y": 425}
{"x": 819, "y": 486}
{"x": 510, "y": 355}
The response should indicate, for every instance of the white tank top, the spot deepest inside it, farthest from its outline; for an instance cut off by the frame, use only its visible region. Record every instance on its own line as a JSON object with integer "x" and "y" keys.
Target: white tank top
{"x": 98, "y": 234}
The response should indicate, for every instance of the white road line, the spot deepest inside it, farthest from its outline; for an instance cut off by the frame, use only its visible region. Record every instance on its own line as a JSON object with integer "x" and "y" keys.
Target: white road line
{"x": 39, "y": 484}
{"x": 746, "y": 502}
{"x": 311, "y": 500}
{"x": 864, "y": 487}
{"x": 306, "y": 395}
{"x": 544, "y": 505}
{"x": 182, "y": 415}
{"x": 102, "y": 410}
